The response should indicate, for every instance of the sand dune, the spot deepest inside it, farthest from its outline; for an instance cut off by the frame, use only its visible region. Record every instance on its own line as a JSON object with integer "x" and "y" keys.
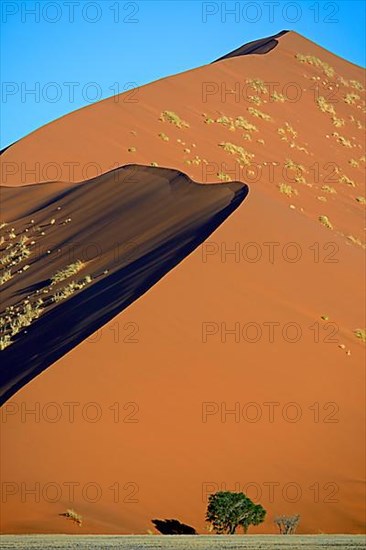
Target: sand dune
{"x": 242, "y": 367}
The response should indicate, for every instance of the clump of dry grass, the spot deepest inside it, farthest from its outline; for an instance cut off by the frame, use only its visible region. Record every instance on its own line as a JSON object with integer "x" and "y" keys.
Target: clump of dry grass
{"x": 351, "y": 99}
{"x": 353, "y": 163}
{"x": 258, "y": 85}
{"x": 244, "y": 157}
{"x": 289, "y": 130}
{"x": 243, "y": 124}
{"x": 173, "y": 118}
{"x": 303, "y": 149}
{"x": 67, "y": 272}
{"x": 297, "y": 168}
{"x": 68, "y": 290}
{"x": 328, "y": 189}
{"x": 342, "y": 140}
{"x": 5, "y": 341}
{"x": 19, "y": 316}
{"x": 163, "y": 136}
{"x": 226, "y": 121}
{"x": 292, "y": 165}
{"x": 324, "y": 106}
{"x": 255, "y": 99}
{"x": 356, "y": 240}
{"x": 197, "y": 160}
{"x": 15, "y": 319}
{"x": 338, "y": 122}
{"x": 26, "y": 314}
{"x": 259, "y": 114}
{"x": 278, "y": 97}
{"x": 345, "y": 179}
{"x": 231, "y": 148}
{"x": 361, "y": 334}
{"x": 5, "y": 276}
{"x": 358, "y": 123}
{"x": 324, "y": 220}
{"x": 289, "y": 134}
{"x": 316, "y": 62}
{"x": 357, "y": 85}
{"x": 222, "y": 176}
{"x": 287, "y": 190}
{"x": 343, "y": 81}
{"x": 239, "y": 122}
{"x": 15, "y": 253}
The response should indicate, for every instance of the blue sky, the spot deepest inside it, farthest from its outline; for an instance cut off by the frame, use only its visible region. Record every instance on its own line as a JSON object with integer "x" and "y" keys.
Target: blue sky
{"x": 73, "y": 52}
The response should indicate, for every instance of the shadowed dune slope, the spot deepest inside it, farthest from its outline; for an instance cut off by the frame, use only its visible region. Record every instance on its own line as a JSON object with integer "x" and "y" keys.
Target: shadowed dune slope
{"x": 243, "y": 367}
{"x": 262, "y": 46}
{"x": 137, "y": 222}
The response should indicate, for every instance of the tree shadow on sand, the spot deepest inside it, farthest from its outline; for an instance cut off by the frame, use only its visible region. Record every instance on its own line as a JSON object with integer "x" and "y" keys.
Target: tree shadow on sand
{"x": 173, "y": 527}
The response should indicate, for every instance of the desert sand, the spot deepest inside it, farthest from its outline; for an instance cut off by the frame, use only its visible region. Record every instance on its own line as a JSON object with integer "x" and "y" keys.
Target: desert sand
{"x": 260, "y": 313}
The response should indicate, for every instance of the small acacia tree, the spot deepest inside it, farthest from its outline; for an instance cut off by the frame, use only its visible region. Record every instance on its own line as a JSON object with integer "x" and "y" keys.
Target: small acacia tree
{"x": 287, "y": 524}
{"x": 226, "y": 511}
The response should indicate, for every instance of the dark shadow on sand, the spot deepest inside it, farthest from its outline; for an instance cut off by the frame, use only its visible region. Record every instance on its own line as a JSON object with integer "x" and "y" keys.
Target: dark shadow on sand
{"x": 173, "y": 527}
{"x": 261, "y": 46}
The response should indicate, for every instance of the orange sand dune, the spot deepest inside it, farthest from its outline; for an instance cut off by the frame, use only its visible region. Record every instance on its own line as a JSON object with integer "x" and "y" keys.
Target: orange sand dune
{"x": 240, "y": 368}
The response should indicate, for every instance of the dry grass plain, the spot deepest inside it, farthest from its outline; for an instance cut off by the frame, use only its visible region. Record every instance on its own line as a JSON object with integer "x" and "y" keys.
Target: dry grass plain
{"x": 203, "y": 542}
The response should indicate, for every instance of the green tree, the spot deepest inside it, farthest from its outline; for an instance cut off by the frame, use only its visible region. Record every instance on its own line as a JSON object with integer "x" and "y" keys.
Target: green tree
{"x": 226, "y": 511}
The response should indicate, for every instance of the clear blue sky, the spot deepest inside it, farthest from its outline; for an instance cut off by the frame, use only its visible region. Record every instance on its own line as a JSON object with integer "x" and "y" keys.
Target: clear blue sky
{"x": 74, "y": 51}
